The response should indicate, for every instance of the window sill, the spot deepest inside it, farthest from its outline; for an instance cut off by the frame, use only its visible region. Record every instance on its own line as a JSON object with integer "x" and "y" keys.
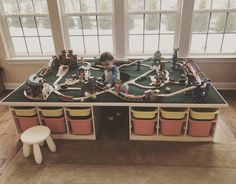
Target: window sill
{"x": 222, "y": 56}
{"x": 27, "y": 60}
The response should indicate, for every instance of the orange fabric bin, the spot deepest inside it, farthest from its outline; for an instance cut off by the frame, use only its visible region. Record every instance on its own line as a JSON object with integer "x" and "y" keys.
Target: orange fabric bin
{"x": 144, "y": 126}
{"x": 200, "y": 128}
{"x": 56, "y": 125}
{"x": 27, "y": 122}
{"x": 81, "y": 126}
{"x": 171, "y": 127}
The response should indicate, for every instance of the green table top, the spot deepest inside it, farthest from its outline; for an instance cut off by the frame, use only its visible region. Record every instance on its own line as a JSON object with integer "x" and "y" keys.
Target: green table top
{"x": 17, "y": 96}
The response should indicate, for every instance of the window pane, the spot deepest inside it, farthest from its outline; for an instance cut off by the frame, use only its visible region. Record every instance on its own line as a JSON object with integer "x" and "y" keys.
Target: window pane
{"x": 91, "y": 44}
{"x": 168, "y": 23}
{"x": 217, "y": 23}
{"x": 135, "y": 24}
{"x": 135, "y": 5}
{"x": 231, "y": 23}
{"x": 202, "y": 4}
{"x": 72, "y": 6}
{"x": 200, "y": 22}
{"x": 214, "y": 43}
{"x": 150, "y": 43}
{"x": 106, "y": 43}
{"x": 40, "y": 6}
{"x": 19, "y": 45}
{"x": 105, "y": 24}
{"x": 47, "y": 45}
{"x": 29, "y": 26}
{"x": 169, "y": 4}
{"x": 88, "y": 6}
{"x": 14, "y": 27}
{"x": 26, "y": 6}
{"x": 166, "y": 43}
{"x": 44, "y": 27}
{"x": 232, "y": 4}
{"x": 104, "y": 5}
{"x": 10, "y": 6}
{"x": 219, "y": 4}
{"x": 198, "y": 43}
{"x": 77, "y": 44}
{"x": 151, "y": 24}
{"x": 152, "y": 5}
{"x": 229, "y": 43}
{"x": 33, "y": 45}
{"x": 89, "y": 25}
{"x": 136, "y": 44}
{"x": 74, "y": 25}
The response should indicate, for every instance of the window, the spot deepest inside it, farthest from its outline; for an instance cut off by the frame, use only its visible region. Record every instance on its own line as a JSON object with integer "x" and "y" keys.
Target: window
{"x": 151, "y": 26}
{"x": 214, "y": 27}
{"x": 28, "y": 27}
{"x": 88, "y": 25}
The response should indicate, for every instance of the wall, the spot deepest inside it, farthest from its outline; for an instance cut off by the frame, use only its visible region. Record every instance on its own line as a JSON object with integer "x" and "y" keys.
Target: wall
{"x": 14, "y": 74}
{"x": 221, "y": 71}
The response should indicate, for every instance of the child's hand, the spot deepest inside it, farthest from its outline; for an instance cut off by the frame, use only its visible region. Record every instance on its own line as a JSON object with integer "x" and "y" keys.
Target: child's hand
{"x": 107, "y": 86}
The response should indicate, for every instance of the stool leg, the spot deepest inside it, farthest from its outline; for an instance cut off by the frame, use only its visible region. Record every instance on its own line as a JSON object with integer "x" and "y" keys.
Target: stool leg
{"x": 37, "y": 154}
{"x": 41, "y": 143}
{"x": 51, "y": 144}
{"x": 26, "y": 150}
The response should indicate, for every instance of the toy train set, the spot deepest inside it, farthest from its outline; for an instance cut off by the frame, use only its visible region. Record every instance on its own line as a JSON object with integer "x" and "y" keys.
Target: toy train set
{"x": 151, "y": 75}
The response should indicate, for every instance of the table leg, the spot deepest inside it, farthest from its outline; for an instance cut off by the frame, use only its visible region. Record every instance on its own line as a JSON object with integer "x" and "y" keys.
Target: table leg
{"x": 26, "y": 150}
{"x": 51, "y": 144}
{"x": 37, "y": 154}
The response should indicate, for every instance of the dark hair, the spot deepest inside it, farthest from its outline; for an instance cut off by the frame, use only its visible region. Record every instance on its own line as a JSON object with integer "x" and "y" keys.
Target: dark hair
{"x": 106, "y": 56}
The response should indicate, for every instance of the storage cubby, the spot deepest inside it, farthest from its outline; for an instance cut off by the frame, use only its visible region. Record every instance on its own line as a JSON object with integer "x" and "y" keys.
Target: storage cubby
{"x": 143, "y": 121}
{"x": 53, "y": 118}
{"x": 112, "y": 122}
{"x": 172, "y": 121}
{"x": 202, "y": 122}
{"x": 80, "y": 120}
{"x": 24, "y": 117}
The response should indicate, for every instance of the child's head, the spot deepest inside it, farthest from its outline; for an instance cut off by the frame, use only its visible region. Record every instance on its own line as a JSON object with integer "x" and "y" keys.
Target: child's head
{"x": 107, "y": 59}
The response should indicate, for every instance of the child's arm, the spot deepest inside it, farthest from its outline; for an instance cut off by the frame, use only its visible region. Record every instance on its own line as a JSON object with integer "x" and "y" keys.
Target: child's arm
{"x": 115, "y": 75}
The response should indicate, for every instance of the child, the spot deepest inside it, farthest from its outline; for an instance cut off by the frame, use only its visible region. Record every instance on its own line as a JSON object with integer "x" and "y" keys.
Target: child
{"x": 111, "y": 72}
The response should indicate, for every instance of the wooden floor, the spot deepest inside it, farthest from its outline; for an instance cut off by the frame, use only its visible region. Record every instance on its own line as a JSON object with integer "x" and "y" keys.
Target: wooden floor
{"x": 10, "y": 144}
{"x": 9, "y": 139}
{"x": 228, "y": 115}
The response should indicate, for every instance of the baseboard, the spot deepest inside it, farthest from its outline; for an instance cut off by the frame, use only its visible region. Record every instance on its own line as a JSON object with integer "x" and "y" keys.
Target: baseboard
{"x": 218, "y": 85}
{"x": 10, "y": 86}
{"x": 225, "y": 85}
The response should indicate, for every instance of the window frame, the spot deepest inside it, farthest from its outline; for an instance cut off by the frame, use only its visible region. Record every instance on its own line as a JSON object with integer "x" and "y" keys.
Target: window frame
{"x": 182, "y": 37}
{"x": 152, "y": 12}
{"x": 9, "y": 47}
{"x": 210, "y": 11}
{"x": 65, "y": 15}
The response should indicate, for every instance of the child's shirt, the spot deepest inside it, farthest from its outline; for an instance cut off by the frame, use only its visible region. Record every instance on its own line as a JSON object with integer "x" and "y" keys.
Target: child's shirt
{"x": 110, "y": 76}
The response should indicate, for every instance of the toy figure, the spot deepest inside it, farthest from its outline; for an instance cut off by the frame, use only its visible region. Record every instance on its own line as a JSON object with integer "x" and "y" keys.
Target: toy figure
{"x": 175, "y": 58}
{"x": 34, "y": 86}
{"x": 157, "y": 57}
{"x": 111, "y": 72}
{"x": 200, "y": 94}
{"x": 68, "y": 58}
{"x": 138, "y": 65}
{"x": 84, "y": 72}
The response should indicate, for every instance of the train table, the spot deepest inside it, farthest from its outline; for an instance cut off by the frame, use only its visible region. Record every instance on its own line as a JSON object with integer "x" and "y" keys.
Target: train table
{"x": 168, "y": 99}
